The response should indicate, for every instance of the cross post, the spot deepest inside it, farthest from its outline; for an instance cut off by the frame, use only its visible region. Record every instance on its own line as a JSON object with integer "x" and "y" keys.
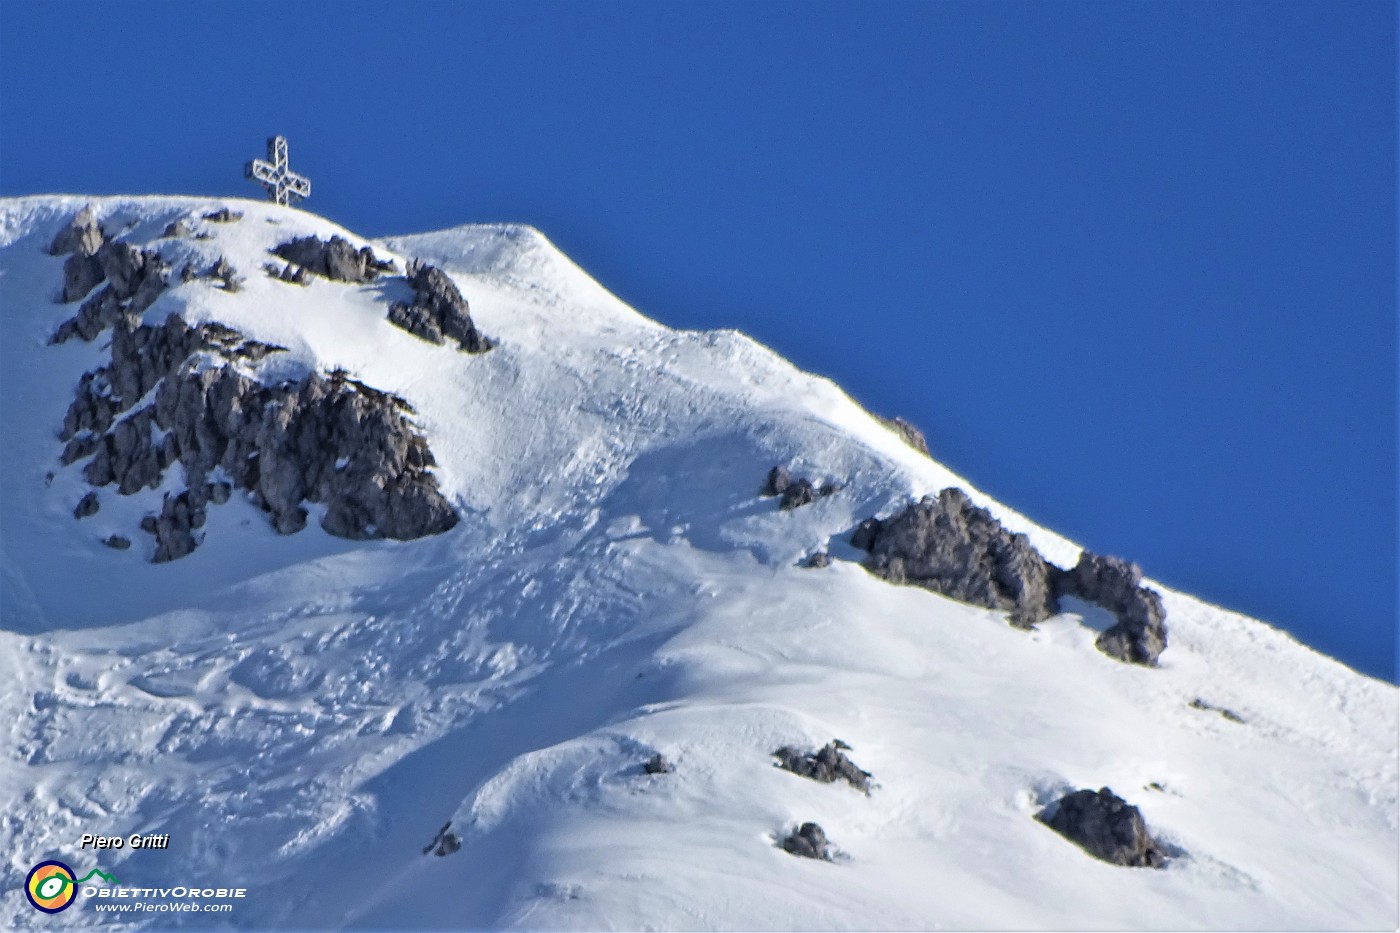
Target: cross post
{"x": 282, "y": 184}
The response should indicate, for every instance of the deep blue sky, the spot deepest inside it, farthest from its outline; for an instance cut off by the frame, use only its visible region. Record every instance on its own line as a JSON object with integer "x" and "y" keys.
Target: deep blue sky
{"x": 1131, "y": 266}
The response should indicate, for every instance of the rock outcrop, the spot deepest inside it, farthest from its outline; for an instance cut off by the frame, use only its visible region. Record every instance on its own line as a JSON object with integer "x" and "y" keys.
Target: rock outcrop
{"x": 794, "y": 493}
{"x": 1106, "y": 827}
{"x": 83, "y": 235}
{"x": 293, "y": 275}
{"x": 224, "y": 216}
{"x": 952, "y": 547}
{"x": 827, "y": 765}
{"x": 445, "y": 842}
{"x": 334, "y": 259}
{"x": 328, "y": 439}
{"x": 87, "y": 505}
{"x": 657, "y": 764}
{"x": 1140, "y": 635}
{"x": 135, "y": 279}
{"x": 81, "y": 274}
{"x": 908, "y": 433}
{"x": 438, "y": 311}
{"x": 808, "y": 841}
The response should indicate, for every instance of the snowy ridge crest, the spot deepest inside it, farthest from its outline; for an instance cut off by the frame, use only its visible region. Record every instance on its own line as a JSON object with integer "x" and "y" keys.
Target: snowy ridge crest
{"x": 563, "y": 706}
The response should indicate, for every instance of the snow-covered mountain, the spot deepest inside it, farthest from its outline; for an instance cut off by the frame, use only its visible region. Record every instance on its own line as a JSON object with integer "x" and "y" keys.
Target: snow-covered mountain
{"x": 553, "y": 561}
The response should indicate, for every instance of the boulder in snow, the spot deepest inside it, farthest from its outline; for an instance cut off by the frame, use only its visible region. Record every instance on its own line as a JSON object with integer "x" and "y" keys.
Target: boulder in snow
{"x": 1105, "y": 826}
{"x": 445, "y": 842}
{"x": 808, "y": 841}
{"x": 658, "y": 764}
{"x": 826, "y": 765}
{"x": 794, "y": 493}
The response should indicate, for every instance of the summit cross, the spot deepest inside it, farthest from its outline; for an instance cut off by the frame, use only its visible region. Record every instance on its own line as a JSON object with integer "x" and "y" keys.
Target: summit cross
{"x": 282, "y": 184}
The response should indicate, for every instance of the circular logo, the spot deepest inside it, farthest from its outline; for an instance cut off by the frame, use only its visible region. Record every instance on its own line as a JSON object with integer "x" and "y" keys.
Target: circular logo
{"x": 50, "y": 886}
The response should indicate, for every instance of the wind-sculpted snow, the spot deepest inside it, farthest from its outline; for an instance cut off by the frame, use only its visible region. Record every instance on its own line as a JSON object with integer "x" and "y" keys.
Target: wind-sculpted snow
{"x": 304, "y": 714}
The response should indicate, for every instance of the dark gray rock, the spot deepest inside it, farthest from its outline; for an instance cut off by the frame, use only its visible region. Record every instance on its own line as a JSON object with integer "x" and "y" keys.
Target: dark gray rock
{"x": 79, "y": 447}
{"x": 908, "y": 433}
{"x": 223, "y": 272}
{"x": 826, "y": 765}
{"x": 98, "y": 313}
{"x": 82, "y": 235}
{"x": 117, "y": 542}
{"x": 334, "y": 259}
{"x": 799, "y": 493}
{"x": 1106, "y": 827}
{"x": 176, "y": 229}
{"x": 808, "y": 841}
{"x": 952, "y": 547}
{"x": 136, "y": 279}
{"x": 818, "y": 560}
{"x": 1140, "y": 635}
{"x": 81, "y": 274}
{"x": 329, "y": 439}
{"x": 657, "y": 764}
{"x": 438, "y": 311}
{"x": 293, "y": 275}
{"x": 445, "y": 842}
{"x": 87, "y": 505}
{"x": 174, "y": 528}
{"x": 223, "y": 216}
{"x": 779, "y": 479}
{"x": 863, "y": 538}
{"x": 794, "y": 493}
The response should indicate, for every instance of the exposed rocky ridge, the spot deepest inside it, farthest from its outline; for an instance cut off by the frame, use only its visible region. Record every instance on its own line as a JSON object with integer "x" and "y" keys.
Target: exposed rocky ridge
{"x": 827, "y": 765}
{"x": 1140, "y": 635}
{"x": 1105, "y": 826}
{"x": 438, "y": 311}
{"x": 952, "y": 547}
{"x": 334, "y": 259}
{"x": 794, "y": 493}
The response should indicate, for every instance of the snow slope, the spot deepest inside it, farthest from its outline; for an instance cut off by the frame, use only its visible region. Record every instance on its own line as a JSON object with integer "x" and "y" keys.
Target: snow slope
{"x": 301, "y": 714}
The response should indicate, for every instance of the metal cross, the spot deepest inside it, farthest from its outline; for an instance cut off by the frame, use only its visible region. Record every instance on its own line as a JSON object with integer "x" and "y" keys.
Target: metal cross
{"x": 282, "y": 184}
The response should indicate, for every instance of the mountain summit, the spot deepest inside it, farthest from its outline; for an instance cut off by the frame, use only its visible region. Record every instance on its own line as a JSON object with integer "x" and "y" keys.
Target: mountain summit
{"x": 420, "y": 583}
